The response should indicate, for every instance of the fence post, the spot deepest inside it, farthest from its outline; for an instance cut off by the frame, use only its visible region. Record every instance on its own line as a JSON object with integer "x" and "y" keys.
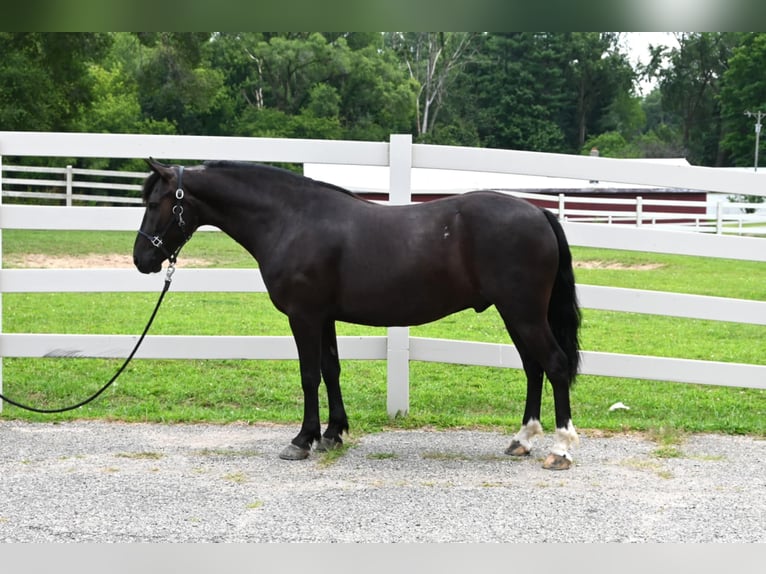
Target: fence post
{"x": 639, "y": 210}
{"x": 69, "y": 186}
{"x": 719, "y": 218}
{"x": 562, "y": 207}
{"x": 398, "y": 346}
{"x": 1, "y": 281}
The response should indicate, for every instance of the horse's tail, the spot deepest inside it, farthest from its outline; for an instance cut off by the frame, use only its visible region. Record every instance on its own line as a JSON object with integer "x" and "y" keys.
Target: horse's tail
{"x": 564, "y": 310}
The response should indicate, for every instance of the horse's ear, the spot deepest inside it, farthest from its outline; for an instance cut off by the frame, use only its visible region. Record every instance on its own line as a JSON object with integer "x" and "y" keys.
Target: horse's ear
{"x": 164, "y": 171}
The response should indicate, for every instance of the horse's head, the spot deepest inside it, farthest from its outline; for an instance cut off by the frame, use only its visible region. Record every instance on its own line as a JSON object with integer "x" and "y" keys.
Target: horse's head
{"x": 168, "y": 222}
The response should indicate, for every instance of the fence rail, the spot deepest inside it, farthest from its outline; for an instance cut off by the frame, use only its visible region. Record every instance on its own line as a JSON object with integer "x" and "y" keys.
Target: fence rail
{"x": 730, "y": 216}
{"x": 67, "y": 182}
{"x": 250, "y": 281}
{"x": 397, "y": 347}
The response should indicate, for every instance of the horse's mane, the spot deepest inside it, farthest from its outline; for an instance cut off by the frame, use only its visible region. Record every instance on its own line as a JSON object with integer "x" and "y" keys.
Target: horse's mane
{"x": 149, "y": 184}
{"x": 274, "y": 171}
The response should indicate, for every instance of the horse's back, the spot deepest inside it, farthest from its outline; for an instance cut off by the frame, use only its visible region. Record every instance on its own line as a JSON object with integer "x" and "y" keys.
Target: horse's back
{"x": 496, "y": 208}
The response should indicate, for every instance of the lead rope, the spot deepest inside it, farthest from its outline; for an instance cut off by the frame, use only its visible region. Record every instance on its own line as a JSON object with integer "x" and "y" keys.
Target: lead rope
{"x": 168, "y": 279}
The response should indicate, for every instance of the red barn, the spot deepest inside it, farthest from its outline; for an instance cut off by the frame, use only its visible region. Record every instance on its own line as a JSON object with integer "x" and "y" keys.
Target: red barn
{"x": 600, "y": 201}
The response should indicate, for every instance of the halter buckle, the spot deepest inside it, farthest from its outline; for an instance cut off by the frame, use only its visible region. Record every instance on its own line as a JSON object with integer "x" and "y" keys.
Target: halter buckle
{"x": 156, "y": 241}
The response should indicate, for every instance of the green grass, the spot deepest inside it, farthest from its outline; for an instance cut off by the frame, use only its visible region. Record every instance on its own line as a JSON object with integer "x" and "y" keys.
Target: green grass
{"x": 443, "y": 396}
{"x": 669, "y": 441}
{"x": 678, "y": 273}
{"x": 218, "y": 249}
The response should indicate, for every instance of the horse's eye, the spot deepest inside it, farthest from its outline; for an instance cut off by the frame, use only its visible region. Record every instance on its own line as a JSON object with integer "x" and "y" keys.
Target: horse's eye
{"x": 153, "y": 204}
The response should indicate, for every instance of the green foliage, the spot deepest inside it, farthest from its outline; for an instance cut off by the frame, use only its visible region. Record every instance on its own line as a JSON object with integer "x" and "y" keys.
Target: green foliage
{"x": 519, "y": 90}
{"x": 690, "y": 84}
{"x": 265, "y": 122}
{"x": 324, "y": 101}
{"x": 116, "y": 108}
{"x": 20, "y": 82}
{"x": 660, "y": 142}
{"x": 545, "y": 91}
{"x": 625, "y": 114}
{"x": 553, "y": 91}
{"x": 601, "y": 78}
{"x": 434, "y": 60}
{"x": 743, "y": 89}
{"x": 377, "y": 97}
{"x": 313, "y": 85}
{"x": 611, "y": 144}
{"x": 174, "y": 86}
{"x": 44, "y": 82}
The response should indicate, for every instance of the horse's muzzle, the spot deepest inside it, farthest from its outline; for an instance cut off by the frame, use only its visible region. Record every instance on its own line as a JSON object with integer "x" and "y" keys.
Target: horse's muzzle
{"x": 147, "y": 264}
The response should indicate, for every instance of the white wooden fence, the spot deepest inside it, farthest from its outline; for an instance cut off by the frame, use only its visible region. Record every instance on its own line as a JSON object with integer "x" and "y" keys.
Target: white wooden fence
{"x": 61, "y": 184}
{"x": 71, "y": 186}
{"x": 397, "y": 347}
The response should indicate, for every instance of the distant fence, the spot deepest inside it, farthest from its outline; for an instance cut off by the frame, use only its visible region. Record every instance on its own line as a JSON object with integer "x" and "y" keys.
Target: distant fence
{"x": 69, "y": 185}
{"x": 77, "y": 186}
{"x": 398, "y": 348}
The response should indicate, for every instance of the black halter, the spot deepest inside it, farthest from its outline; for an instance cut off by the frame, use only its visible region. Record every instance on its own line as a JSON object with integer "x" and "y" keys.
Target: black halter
{"x": 178, "y": 211}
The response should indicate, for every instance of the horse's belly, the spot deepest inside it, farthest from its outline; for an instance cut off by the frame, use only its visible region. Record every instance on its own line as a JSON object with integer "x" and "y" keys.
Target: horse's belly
{"x": 421, "y": 273}
{"x": 403, "y": 306}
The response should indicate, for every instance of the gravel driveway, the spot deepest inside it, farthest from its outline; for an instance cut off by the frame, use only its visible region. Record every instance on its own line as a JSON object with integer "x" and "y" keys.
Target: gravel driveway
{"x": 117, "y": 482}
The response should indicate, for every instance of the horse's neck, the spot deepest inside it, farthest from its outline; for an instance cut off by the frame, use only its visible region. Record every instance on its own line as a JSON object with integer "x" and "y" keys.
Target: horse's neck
{"x": 252, "y": 217}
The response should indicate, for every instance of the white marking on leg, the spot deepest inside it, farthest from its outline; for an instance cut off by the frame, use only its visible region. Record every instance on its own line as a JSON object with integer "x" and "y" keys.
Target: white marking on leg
{"x": 564, "y": 439}
{"x": 528, "y": 432}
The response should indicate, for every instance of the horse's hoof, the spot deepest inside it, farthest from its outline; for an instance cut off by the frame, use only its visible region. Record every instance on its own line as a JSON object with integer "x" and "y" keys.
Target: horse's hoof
{"x": 327, "y": 444}
{"x": 292, "y": 452}
{"x": 557, "y": 462}
{"x": 517, "y": 449}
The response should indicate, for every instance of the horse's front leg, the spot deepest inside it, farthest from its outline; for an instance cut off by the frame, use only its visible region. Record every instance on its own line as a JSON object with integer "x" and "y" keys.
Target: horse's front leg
{"x": 308, "y": 335}
{"x": 330, "y": 364}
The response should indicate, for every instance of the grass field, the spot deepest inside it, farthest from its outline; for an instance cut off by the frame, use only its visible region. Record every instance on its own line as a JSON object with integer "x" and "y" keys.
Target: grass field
{"x": 445, "y": 396}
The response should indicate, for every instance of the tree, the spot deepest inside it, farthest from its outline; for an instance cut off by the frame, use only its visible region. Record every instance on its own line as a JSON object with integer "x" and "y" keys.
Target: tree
{"x": 378, "y": 97}
{"x": 556, "y": 92}
{"x": 314, "y": 85}
{"x": 433, "y": 59}
{"x": 661, "y": 135}
{"x": 285, "y": 67}
{"x": 44, "y": 80}
{"x": 544, "y": 91}
{"x": 601, "y": 79}
{"x": 175, "y": 86}
{"x": 625, "y": 114}
{"x": 611, "y": 144}
{"x": 513, "y": 92}
{"x": 115, "y": 105}
{"x": 743, "y": 88}
{"x": 689, "y": 82}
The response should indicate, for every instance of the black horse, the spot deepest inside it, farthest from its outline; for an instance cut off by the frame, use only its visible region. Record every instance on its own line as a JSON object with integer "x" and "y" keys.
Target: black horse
{"x": 327, "y": 255}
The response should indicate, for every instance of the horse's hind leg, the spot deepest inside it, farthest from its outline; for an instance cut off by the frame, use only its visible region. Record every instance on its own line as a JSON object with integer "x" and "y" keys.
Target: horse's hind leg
{"x": 338, "y": 423}
{"x": 539, "y": 350}
{"x": 521, "y": 444}
{"x": 566, "y": 435}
